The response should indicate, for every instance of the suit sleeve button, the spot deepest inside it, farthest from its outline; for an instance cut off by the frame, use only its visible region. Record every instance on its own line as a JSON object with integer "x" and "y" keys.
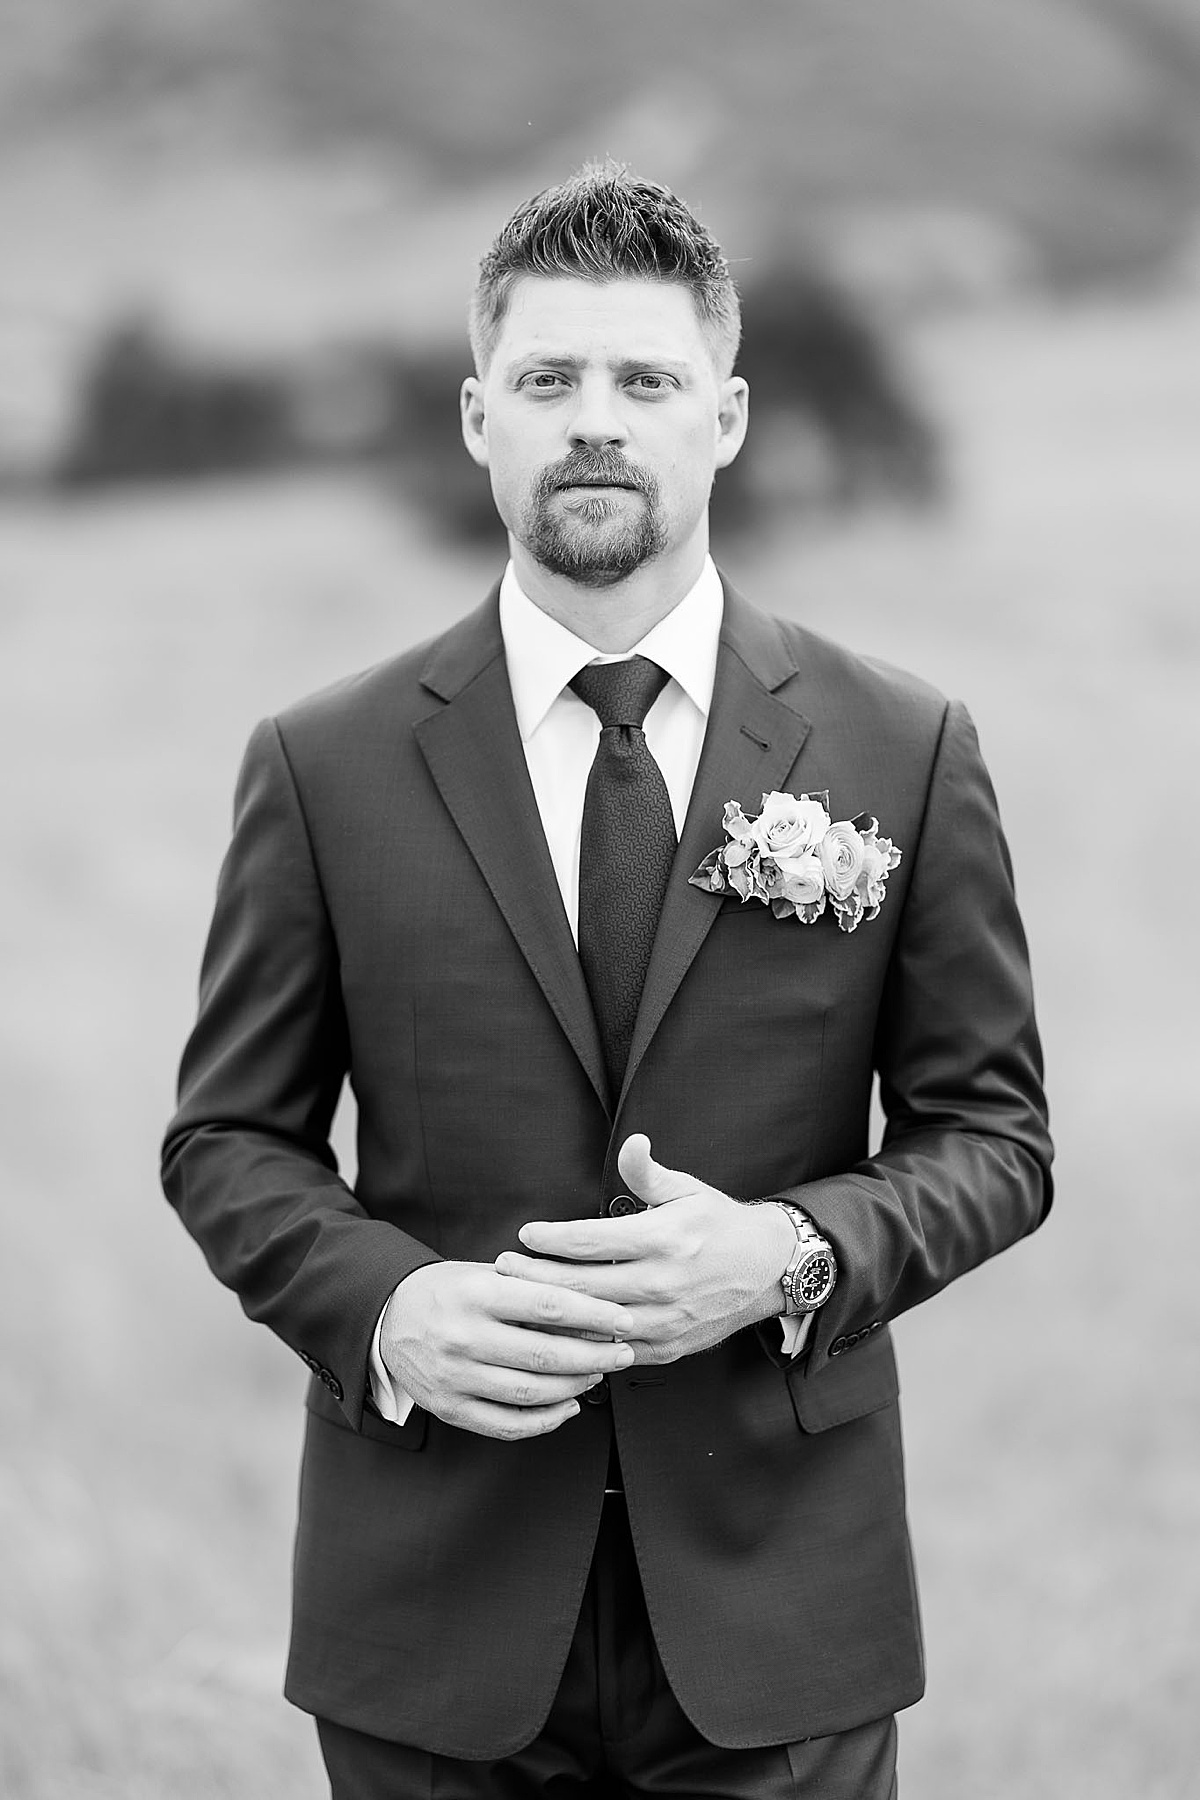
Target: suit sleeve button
{"x": 838, "y": 1345}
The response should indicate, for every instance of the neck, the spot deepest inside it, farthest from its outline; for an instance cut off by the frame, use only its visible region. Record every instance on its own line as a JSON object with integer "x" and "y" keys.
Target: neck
{"x": 611, "y": 619}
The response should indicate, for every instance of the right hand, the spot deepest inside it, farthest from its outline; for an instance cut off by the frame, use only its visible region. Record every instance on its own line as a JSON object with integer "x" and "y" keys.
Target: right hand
{"x": 497, "y": 1356}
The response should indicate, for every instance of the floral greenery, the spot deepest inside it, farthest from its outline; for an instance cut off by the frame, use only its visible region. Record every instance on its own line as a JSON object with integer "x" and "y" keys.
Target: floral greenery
{"x": 798, "y": 861}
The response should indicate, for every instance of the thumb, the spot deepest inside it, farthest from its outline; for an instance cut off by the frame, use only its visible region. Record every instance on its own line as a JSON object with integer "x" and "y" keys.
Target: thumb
{"x": 647, "y": 1178}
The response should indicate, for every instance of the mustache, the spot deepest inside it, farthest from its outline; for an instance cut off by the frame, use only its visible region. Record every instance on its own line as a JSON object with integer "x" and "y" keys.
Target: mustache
{"x": 594, "y": 468}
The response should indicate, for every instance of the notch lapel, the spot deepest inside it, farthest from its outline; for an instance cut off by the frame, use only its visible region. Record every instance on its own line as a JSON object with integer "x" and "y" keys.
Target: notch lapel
{"x": 473, "y": 751}
{"x": 753, "y": 740}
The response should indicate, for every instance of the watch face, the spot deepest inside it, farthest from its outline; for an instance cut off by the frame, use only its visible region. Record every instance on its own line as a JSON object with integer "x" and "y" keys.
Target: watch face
{"x": 815, "y": 1279}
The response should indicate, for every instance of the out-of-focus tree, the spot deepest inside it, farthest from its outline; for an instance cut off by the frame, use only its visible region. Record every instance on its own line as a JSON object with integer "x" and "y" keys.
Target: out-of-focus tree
{"x": 148, "y": 411}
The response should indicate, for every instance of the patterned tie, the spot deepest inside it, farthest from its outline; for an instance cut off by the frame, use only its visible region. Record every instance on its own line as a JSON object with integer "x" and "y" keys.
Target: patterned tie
{"x": 626, "y": 850}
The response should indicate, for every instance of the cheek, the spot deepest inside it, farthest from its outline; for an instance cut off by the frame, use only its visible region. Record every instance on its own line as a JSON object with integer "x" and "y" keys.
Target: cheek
{"x": 687, "y": 479}
{"x": 511, "y": 473}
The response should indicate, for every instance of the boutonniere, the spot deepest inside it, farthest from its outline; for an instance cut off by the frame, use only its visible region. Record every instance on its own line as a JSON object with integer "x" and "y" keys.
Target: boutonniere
{"x": 797, "y": 860}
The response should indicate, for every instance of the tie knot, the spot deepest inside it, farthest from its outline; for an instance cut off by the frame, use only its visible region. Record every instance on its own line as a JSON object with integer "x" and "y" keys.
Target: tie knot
{"x": 621, "y": 693}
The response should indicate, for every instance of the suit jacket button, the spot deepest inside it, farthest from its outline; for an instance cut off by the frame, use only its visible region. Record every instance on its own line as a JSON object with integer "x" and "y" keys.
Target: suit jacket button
{"x": 598, "y": 1395}
{"x": 621, "y": 1205}
{"x": 838, "y": 1345}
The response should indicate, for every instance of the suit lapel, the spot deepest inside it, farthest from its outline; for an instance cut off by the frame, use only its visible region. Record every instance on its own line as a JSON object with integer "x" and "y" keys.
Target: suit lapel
{"x": 753, "y": 740}
{"x": 473, "y": 751}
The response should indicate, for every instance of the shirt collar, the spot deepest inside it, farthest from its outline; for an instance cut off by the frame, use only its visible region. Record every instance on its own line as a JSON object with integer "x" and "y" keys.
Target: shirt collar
{"x": 544, "y": 657}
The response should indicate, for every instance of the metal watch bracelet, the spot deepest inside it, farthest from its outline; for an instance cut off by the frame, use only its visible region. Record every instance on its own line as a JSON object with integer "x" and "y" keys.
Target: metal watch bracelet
{"x": 808, "y": 1280}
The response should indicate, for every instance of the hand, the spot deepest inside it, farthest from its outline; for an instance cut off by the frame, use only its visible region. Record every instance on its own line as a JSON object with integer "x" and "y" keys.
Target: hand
{"x": 498, "y": 1357}
{"x": 689, "y": 1272}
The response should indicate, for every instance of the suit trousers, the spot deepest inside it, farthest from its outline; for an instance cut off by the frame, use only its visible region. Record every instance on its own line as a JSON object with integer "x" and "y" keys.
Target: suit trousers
{"x": 616, "y": 1729}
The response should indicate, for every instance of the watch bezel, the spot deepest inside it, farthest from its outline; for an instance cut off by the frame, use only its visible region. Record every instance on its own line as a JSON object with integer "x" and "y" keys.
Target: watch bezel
{"x": 793, "y": 1278}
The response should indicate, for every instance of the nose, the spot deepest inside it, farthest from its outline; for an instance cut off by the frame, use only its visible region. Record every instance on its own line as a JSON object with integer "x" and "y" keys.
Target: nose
{"x": 598, "y": 421}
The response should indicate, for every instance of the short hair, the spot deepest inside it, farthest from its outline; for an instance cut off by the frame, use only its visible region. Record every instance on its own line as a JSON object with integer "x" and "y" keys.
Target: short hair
{"x": 604, "y": 224}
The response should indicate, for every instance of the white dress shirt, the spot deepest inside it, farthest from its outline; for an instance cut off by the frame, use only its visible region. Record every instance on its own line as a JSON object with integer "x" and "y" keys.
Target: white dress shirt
{"x": 560, "y": 732}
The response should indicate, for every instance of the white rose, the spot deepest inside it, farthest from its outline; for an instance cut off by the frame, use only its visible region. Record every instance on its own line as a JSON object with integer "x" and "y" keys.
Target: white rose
{"x": 787, "y": 828}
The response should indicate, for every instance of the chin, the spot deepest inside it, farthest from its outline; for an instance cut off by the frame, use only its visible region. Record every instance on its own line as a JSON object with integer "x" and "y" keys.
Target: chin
{"x": 596, "y": 545}
{"x": 592, "y": 565}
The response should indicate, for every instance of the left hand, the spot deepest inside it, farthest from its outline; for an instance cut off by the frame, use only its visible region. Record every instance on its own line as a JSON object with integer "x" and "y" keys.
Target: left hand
{"x": 690, "y": 1271}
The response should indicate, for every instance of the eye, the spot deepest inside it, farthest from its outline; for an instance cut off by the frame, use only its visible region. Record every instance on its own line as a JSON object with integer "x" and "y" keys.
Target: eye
{"x": 651, "y": 382}
{"x": 543, "y": 381}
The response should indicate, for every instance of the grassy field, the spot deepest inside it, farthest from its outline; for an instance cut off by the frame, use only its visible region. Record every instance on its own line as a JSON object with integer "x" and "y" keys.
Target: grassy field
{"x": 150, "y": 1435}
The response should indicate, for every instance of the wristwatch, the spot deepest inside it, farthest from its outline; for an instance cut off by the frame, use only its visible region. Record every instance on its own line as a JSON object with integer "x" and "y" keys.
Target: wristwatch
{"x": 808, "y": 1280}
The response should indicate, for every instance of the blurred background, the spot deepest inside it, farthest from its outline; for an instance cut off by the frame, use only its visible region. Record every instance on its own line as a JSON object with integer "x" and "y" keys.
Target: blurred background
{"x": 236, "y": 243}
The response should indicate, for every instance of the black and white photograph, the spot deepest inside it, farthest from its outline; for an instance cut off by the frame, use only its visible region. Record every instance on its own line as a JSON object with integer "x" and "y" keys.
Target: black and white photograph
{"x": 599, "y": 685}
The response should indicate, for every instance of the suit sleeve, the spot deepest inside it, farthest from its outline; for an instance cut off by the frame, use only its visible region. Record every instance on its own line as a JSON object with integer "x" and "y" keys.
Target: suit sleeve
{"x": 247, "y": 1161}
{"x": 964, "y": 1167}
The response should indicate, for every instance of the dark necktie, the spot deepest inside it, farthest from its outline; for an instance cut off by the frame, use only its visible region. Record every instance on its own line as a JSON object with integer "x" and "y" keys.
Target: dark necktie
{"x": 626, "y": 850}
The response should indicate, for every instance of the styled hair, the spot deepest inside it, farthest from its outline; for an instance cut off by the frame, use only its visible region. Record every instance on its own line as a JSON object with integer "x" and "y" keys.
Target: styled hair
{"x": 601, "y": 225}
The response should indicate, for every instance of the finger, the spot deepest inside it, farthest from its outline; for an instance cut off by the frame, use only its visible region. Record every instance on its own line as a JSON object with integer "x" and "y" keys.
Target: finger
{"x": 622, "y": 1283}
{"x": 592, "y": 1337}
{"x": 487, "y": 1418}
{"x": 523, "y": 1388}
{"x": 585, "y": 1240}
{"x": 555, "y": 1308}
{"x": 549, "y": 1353}
{"x": 649, "y": 1180}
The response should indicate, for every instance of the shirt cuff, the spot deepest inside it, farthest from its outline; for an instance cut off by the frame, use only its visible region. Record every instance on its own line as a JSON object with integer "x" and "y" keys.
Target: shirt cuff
{"x": 795, "y": 1328}
{"x": 391, "y": 1401}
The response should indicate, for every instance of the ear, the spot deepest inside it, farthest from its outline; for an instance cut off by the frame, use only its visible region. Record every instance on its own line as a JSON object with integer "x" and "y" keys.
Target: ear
{"x": 733, "y": 416}
{"x": 474, "y": 420}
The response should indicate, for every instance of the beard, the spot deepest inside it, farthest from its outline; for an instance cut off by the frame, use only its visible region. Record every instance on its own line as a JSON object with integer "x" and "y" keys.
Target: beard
{"x": 597, "y": 541}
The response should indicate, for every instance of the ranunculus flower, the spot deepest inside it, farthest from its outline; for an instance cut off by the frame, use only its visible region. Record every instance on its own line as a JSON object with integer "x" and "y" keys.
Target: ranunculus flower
{"x": 842, "y": 852}
{"x": 787, "y": 827}
{"x": 803, "y": 879}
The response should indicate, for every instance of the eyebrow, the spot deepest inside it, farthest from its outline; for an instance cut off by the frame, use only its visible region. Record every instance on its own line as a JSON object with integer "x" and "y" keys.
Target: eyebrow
{"x": 627, "y": 365}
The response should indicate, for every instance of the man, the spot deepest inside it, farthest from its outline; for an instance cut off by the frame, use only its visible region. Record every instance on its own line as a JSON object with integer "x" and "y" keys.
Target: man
{"x": 602, "y": 1486}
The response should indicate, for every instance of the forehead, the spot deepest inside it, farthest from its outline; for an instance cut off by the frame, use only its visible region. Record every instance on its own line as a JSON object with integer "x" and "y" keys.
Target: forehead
{"x": 563, "y": 316}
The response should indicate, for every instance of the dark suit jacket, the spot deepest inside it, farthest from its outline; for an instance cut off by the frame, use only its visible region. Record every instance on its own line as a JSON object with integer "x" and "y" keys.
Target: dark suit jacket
{"x": 388, "y": 910}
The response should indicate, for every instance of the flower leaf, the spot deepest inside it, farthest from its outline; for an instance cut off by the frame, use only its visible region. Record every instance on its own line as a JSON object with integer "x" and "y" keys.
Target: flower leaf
{"x": 709, "y": 875}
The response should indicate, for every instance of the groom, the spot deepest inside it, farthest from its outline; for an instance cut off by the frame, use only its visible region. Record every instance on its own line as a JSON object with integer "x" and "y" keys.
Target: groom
{"x": 602, "y": 1487}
